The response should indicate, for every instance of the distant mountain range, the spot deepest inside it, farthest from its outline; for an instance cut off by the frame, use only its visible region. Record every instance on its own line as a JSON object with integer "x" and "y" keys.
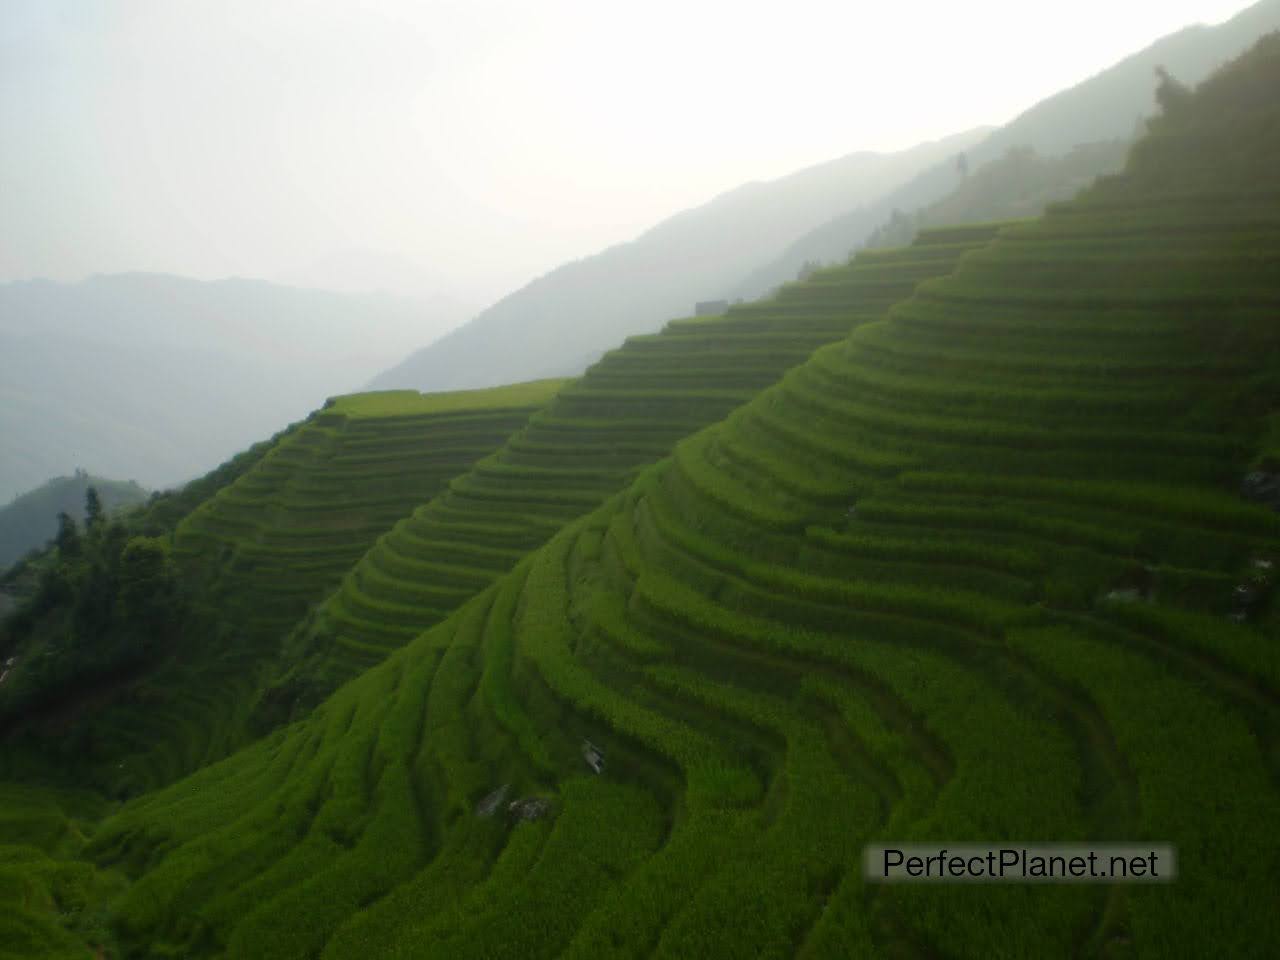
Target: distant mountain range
{"x": 159, "y": 378}
{"x": 561, "y": 322}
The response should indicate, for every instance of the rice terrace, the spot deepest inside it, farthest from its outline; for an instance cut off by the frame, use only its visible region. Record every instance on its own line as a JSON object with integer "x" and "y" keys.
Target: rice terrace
{"x": 959, "y": 557}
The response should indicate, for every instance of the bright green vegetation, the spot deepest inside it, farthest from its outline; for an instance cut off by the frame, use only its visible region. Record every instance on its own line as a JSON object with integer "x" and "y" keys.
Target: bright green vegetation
{"x": 627, "y": 411}
{"x": 410, "y": 403}
{"x": 961, "y": 576}
{"x": 51, "y": 899}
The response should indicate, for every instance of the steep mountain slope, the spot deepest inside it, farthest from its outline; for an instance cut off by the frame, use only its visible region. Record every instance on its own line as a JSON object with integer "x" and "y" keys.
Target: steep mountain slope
{"x": 31, "y": 519}
{"x": 562, "y": 322}
{"x": 262, "y": 550}
{"x": 628, "y": 411}
{"x": 1108, "y": 106}
{"x": 975, "y": 589}
{"x": 160, "y": 378}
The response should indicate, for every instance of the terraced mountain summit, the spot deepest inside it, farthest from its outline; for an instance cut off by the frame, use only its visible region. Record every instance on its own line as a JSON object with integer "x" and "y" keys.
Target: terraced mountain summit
{"x": 981, "y": 571}
{"x": 272, "y": 541}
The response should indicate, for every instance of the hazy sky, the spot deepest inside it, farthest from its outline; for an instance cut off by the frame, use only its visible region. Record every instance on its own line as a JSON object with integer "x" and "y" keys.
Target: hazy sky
{"x": 466, "y": 146}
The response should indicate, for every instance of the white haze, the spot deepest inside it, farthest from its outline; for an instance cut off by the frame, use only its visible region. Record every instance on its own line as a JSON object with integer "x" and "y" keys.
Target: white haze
{"x": 463, "y": 147}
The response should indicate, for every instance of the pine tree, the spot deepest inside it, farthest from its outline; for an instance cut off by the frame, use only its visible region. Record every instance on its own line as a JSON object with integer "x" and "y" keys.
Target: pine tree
{"x": 68, "y": 537}
{"x": 92, "y": 508}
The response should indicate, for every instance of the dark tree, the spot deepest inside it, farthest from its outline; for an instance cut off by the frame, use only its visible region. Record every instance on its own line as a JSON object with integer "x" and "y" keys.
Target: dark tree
{"x": 92, "y": 508}
{"x": 68, "y": 538}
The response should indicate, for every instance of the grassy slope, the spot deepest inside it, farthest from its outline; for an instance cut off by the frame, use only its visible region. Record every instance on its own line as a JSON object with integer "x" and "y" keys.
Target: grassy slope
{"x": 283, "y": 535}
{"x": 871, "y": 604}
{"x": 628, "y": 411}
{"x": 270, "y": 544}
{"x": 50, "y": 899}
{"x": 259, "y": 553}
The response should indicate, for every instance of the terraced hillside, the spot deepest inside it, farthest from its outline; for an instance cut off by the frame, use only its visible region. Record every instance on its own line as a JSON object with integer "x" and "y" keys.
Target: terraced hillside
{"x": 627, "y": 411}
{"x": 49, "y": 900}
{"x": 268, "y": 546}
{"x": 270, "y": 543}
{"x": 979, "y": 572}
